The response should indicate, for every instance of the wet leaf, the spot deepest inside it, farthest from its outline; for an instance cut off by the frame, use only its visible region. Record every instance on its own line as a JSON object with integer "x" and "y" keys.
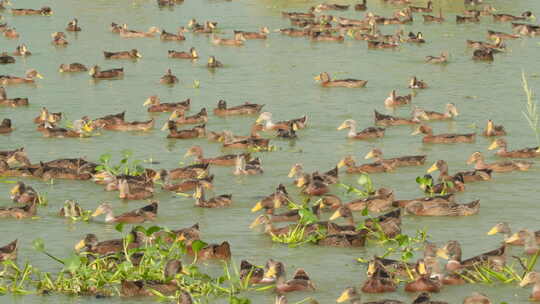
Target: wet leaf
{"x": 197, "y": 245}
{"x": 119, "y": 227}
{"x": 72, "y": 263}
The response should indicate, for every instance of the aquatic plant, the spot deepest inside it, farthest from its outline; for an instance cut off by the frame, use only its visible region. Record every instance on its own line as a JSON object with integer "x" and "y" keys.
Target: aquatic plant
{"x": 365, "y": 183}
{"x": 127, "y": 165}
{"x": 426, "y": 183}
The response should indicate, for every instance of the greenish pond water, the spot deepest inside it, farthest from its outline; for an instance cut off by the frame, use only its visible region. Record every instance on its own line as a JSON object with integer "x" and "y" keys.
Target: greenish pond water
{"x": 279, "y": 73}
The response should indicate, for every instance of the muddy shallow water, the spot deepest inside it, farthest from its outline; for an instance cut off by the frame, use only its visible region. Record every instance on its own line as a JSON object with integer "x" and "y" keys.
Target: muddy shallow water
{"x": 279, "y": 73}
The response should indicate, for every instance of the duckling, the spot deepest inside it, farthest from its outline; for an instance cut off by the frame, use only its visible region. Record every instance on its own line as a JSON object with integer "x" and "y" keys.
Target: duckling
{"x": 9, "y": 252}
{"x": 483, "y": 55}
{"x": 237, "y": 41}
{"x": 6, "y": 59}
{"x": 72, "y": 68}
{"x": 376, "y": 167}
{"x": 500, "y": 167}
{"x": 242, "y": 168}
{"x": 73, "y": 26}
{"x": 450, "y": 113}
{"x": 195, "y": 132}
{"x": 11, "y": 33}
{"x": 213, "y": 63}
{"x": 430, "y": 18}
{"x": 131, "y": 193}
{"x": 133, "y": 54}
{"x": 224, "y": 200}
{"x": 393, "y": 100}
{"x": 262, "y": 34}
{"x": 127, "y": 33}
{"x": 507, "y": 17}
{"x": 443, "y": 138}
{"x": 468, "y": 19}
{"x": 266, "y": 117}
{"x": 325, "y": 36}
{"x": 28, "y": 78}
{"x": 223, "y": 160}
{"x": 22, "y": 50}
{"x": 402, "y": 161}
{"x": 5, "y": 126}
{"x": 368, "y": 133}
{"x": 440, "y": 59}
{"x": 97, "y": 73}
{"x": 28, "y": 210}
{"x": 172, "y": 37}
{"x": 168, "y": 286}
{"x": 493, "y": 130}
{"x": 520, "y": 153}
{"x": 414, "y": 83}
{"x": 59, "y": 39}
{"x": 388, "y": 120}
{"x": 192, "y": 54}
{"x": 24, "y": 194}
{"x": 168, "y": 78}
{"x": 242, "y": 109}
{"x": 300, "y": 281}
{"x": 137, "y": 216}
{"x": 308, "y": 15}
{"x": 155, "y": 105}
{"x": 44, "y": 11}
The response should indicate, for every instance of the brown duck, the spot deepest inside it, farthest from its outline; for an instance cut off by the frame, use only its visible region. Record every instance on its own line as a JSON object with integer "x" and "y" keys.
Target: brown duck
{"x": 243, "y": 109}
{"x": 155, "y": 105}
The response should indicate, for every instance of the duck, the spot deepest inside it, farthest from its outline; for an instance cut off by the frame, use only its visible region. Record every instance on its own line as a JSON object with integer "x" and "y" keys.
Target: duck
{"x": 443, "y": 209}
{"x": 168, "y": 78}
{"x": 501, "y": 35}
{"x": 415, "y": 38}
{"x": 293, "y": 32}
{"x": 46, "y": 116}
{"x": 329, "y": 177}
{"x": 207, "y": 28}
{"x": 372, "y": 44}
{"x": 526, "y": 29}
{"x": 91, "y": 244}
{"x": 268, "y": 124}
{"x": 5, "y": 126}
{"x": 402, "y": 161}
{"x": 9, "y": 251}
{"x": 421, "y": 9}
{"x": 243, "y": 168}
{"x": 313, "y": 185}
{"x": 26, "y": 211}
{"x": 393, "y": 100}
{"x": 275, "y": 200}
{"x": 187, "y": 185}
{"x": 11, "y": 33}
{"x": 213, "y": 63}
{"x": 6, "y": 59}
{"x": 128, "y": 192}
{"x": 450, "y": 112}
{"x": 350, "y": 294}
{"x": 487, "y": 10}
{"x": 443, "y": 58}
{"x": 200, "y": 170}
{"x": 195, "y": 132}
{"x": 328, "y": 6}
{"x": 166, "y": 36}
{"x": 424, "y": 282}
{"x": 477, "y": 158}
{"x": 414, "y": 83}
{"x": 11, "y": 102}
{"x": 223, "y": 160}
{"x": 388, "y": 120}
{"x": 59, "y": 39}
{"x": 155, "y": 105}
{"x": 477, "y": 298}
{"x": 448, "y": 184}
{"x": 325, "y": 80}
{"x": 251, "y": 273}
{"x": 325, "y": 36}
{"x": 237, "y": 41}
{"x": 425, "y": 298}
{"x": 242, "y": 109}
{"x": 72, "y": 68}
{"x": 262, "y": 34}
{"x": 529, "y": 241}
{"x": 220, "y": 201}
{"x": 361, "y": 6}
{"x": 24, "y": 194}
{"x": 73, "y": 26}
{"x": 180, "y": 118}
{"x": 389, "y": 223}
{"x": 493, "y": 130}
{"x": 367, "y": 133}
{"x": 467, "y": 176}
{"x": 44, "y": 11}
{"x": 507, "y": 17}
{"x": 168, "y": 287}
{"x": 28, "y": 78}
{"x": 443, "y": 138}
{"x": 15, "y": 156}
{"x": 451, "y": 251}
{"x": 80, "y": 129}
{"x": 498, "y": 45}
{"x": 532, "y": 278}
{"x": 137, "y": 216}
{"x": 191, "y": 54}
{"x": 22, "y": 50}
{"x": 299, "y": 282}
{"x": 249, "y": 142}
{"x": 71, "y": 209}
{"x": 483, "y": 55}
{"x": 468, "y": 19}
{"x": 130, "y": 126}
{"x": 437, "y": 19}
{"x": 213, "y": 252}
{"x": 375, "y": 167}
{"x": 516, "y": 239}
{"x": 520, "y": 153}
{"x": 127, "y": 33}
{"x": 133, "y": 54}
{"x": 97, "y": 73}
{"x": 379, "y": 280}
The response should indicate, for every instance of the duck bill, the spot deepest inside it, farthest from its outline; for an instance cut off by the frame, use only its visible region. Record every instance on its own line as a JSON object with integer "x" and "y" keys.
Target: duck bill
{"x": 271, "y": 272}
{"x": 493, "y": 146}
{"x": 98, "y": 212}
{"x": 342, "y": 126}
{"x": 422, "y": 268}
{"x": 188, "y": 154}
{"x": 526, "y": 281}
{"x": 255, "y": 223}
{"x": 38, "y": 75}
{"x": 416, "y": 132}
{"x": 371, "y": 269}
{"x": 442, "y": 254}
{"x": 277, "y": 203}
{"x": 493, "y": 231}
{"x": 87, "y": 128}
{"x": 302, "y": 181}
{"x": 15, "y": 190}
{"x": 336, "y": 215}
{"x": 147, "y": 102}
{"x": 515, "y": 237}
{"x": 343, "y": 297}
{"x": 292, "y": 173}
{"x": 369, "y": 155}
{"x": 433, "y": 168}
{"x": 317, "y": 78}
{"x": 80, "y": 245}
{"x": 257, "y": 207}
{"x": 341, "y": 164}
{"x": 259, "y": 120}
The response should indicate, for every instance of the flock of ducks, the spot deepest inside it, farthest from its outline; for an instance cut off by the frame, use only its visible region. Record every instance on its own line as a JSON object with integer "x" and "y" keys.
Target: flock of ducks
{"x": 427, "y": 276}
